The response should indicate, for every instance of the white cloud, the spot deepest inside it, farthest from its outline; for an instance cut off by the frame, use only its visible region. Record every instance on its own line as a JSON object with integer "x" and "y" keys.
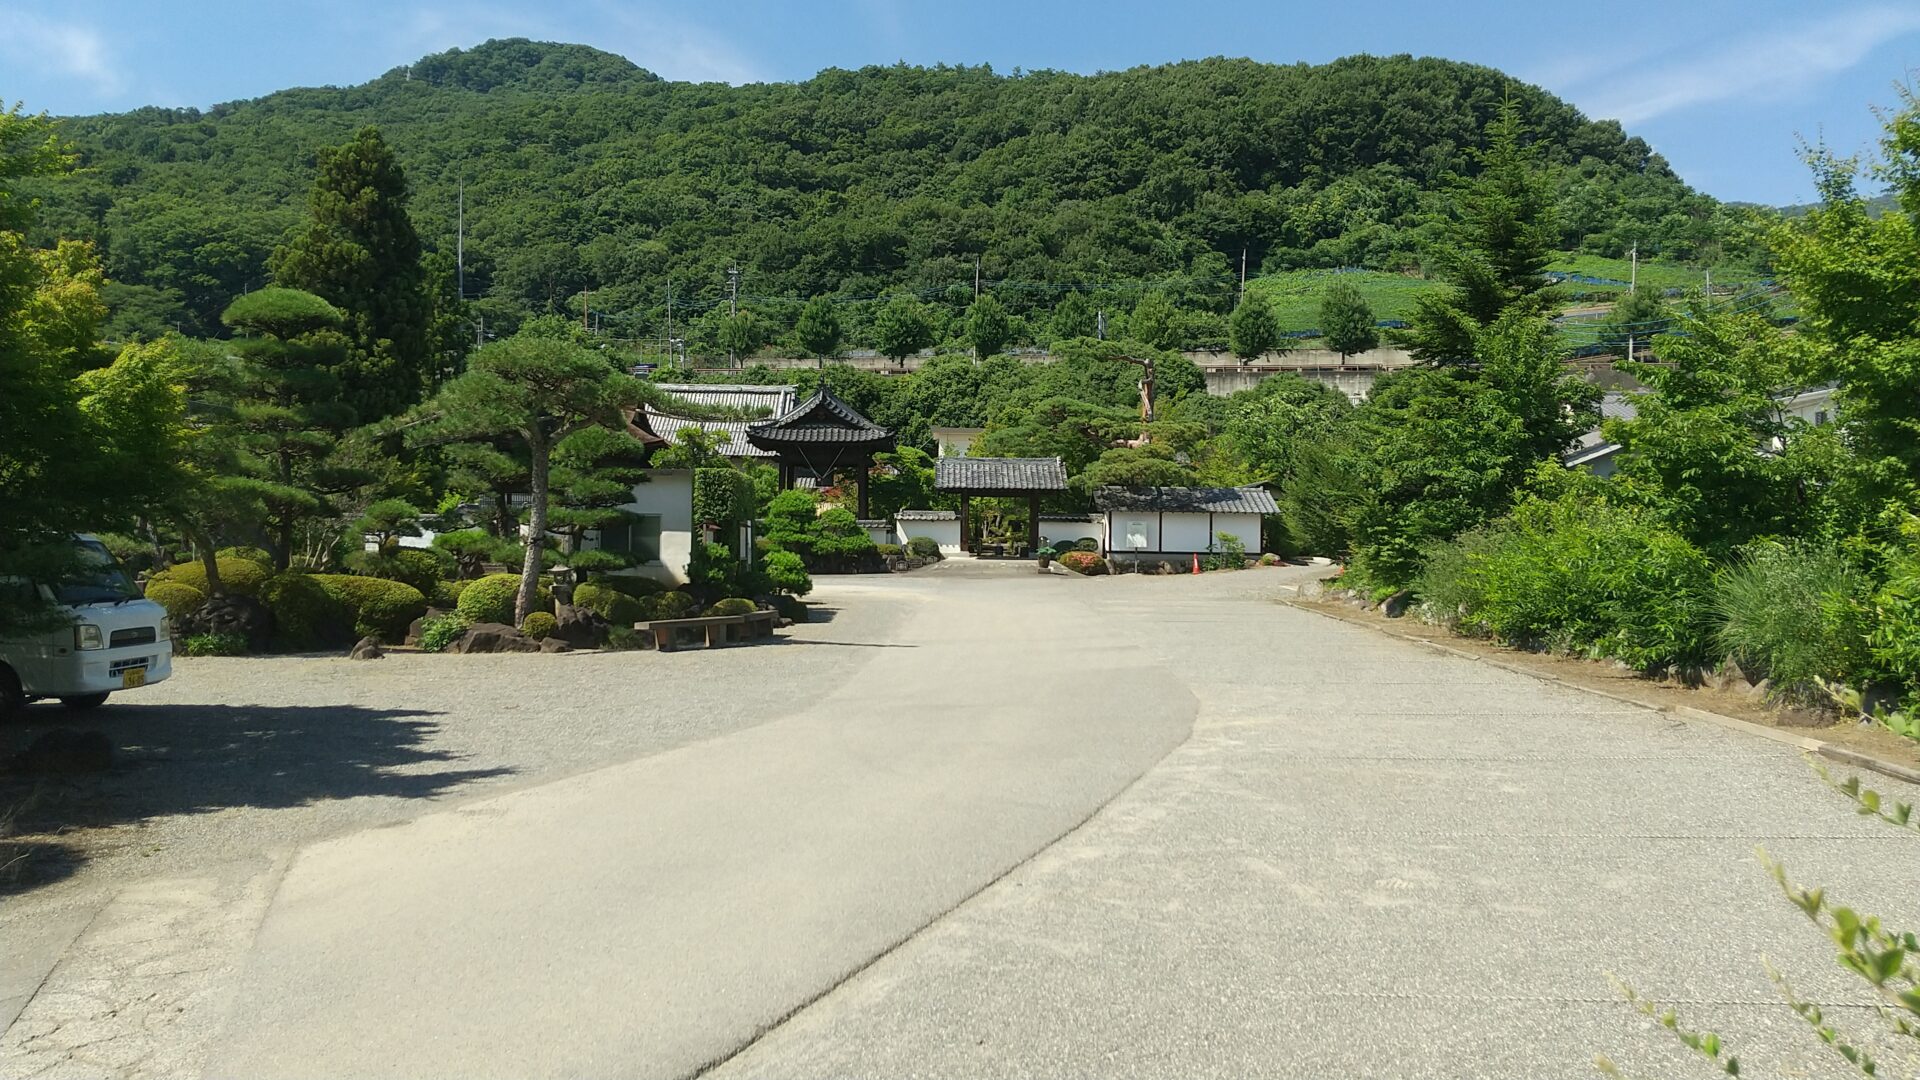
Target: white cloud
{"x": 51, "y": 47}
{"x": 1770, "y": 65}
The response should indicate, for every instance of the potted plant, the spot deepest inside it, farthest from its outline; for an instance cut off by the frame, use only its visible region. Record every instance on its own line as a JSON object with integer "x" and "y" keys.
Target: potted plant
{"x": 1045, "y": 555}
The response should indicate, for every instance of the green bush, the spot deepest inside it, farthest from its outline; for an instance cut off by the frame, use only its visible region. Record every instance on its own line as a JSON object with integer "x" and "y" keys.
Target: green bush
{"x": 1797, "y": 613}
{"x": 1270, "y": 559}
{"x": 1046, "y": 552}
{"x": 732, "y": 605}
{"x": 305, "y": 614}
{"x": 217, "y": 645}
{"x": 723, "y": 496}
{"x": 1231, "y": 556}
{"x": 1084, "y": 562}
{"x": 1894, "y": 639}
{"x": 446, "y": 594}
{"x": 670, "y": 605}
{"x": 787, "y": 572}
{"x": 616, "y": 607}
{"x": 889, "y": 551}
{"x": 1444, "y": 587}
{"x": 378, "y": 607}
{"x": 422, "y": 568}
{"x": 241, "y": 577}
{"x": 626, "y": 639}
{"x": 923, "y": 547}
{"x": 629, "y": 584}
{"x": 251, "y": 554}
{"x": 1086, "y": 543}
{"x": 539, "y": 624}
{"x": 1580, "y": 574}
{"x": 490, "y": 599}
{"x": 438, "y": 632}
{"x": 178, "y": 598}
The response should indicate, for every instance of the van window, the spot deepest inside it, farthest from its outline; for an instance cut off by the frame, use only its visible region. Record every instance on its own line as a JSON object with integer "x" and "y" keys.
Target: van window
{"x": 98, "y": 578}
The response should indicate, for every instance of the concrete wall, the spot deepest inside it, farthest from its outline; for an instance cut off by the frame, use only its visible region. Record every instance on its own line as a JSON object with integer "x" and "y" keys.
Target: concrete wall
{"x": 1185, "y": 532}
{"x": 880, "y": 534}
{"x": 668, "y": 493}
{"x": 1356, "y": 383}
{"x": 1128, "y": 530}
{"x": 947, "y": 533}
{"x": 1177, "y": 533}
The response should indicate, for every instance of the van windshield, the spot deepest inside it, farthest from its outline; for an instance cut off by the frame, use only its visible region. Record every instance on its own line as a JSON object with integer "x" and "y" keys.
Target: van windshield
{"x": 97, "y": 579}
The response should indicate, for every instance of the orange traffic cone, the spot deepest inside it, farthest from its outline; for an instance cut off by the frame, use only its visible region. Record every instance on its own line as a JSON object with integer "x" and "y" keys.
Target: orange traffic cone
{"x": 1196, "y": 562}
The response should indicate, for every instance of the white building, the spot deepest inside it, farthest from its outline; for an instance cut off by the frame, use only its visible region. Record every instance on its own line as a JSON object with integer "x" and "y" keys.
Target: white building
{"x": 666, "y": 427}
{"x": 658, "y": 532}
{"x": 943, "y": 526}
{"x": 1162, "y": 522}
{"x": 1597, "y": 454}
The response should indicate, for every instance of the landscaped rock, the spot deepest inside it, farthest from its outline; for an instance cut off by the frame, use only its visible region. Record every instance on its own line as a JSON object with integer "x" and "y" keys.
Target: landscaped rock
{"x": 1396, "y": 605}
{"x": 582, "y": 628}
{"x": 242, "y": 615}
{"x": 63, "y": 750}
{"x": 492, "y": 638}
{"x": 554, "y": 644}
{"x": 367, "y": 648}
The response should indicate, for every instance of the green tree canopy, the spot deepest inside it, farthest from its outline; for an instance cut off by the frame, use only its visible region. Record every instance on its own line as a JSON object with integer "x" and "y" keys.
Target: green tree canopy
{"x": 901, "y": 328}
{"x": 1346, "y": 320}
{"x": 1253, "y": 331}
{"x": 818, "y": 330}
{"x": 988, "y": 327}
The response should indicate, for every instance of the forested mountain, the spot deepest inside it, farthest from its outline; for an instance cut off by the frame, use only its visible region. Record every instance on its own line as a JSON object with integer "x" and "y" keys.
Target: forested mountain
{"x": 582, "y": 171}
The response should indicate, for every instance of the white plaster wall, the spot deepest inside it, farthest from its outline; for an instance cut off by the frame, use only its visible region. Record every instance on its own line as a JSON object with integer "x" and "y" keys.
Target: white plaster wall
{"x": 1059, "y": 533}
{"x": 946, "y": 533}
{"x": 880, "y": 534}
{"x": 1185, "y": 532}
{"x": 1244, "y": 526}
{"x": 668, "y": 493}
{"x": 1130, "y": 530}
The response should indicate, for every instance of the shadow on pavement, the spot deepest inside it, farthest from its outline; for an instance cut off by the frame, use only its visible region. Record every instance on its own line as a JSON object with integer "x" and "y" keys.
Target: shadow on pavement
{"x": 194, "y": 759}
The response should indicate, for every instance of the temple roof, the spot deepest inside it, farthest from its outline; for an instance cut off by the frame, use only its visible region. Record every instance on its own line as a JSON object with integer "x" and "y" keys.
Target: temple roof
{"x": 667, "y": 426}
{"x": 999, "y": 474}
{"x": 1185, "y": 500}
{"x": 821, "y": 419}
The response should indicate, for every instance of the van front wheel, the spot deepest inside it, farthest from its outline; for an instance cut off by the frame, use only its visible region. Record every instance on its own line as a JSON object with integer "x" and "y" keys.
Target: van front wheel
{"x": 84, "y": 701}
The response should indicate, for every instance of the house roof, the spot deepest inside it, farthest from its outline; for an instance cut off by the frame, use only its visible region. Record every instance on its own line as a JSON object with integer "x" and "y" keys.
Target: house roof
{"x": 775, "y": 399}
{"x": 822, "y": 418}
{"x": 926, "y": 515}
{"x": 1182, "y": 500}
{"x": 668, "y": 427}
{"x": 999, "y": 474}
{"x": 1069, "y": 517}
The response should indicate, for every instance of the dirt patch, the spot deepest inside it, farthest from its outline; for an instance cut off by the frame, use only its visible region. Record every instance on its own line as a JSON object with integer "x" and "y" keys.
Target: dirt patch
{"x": 1611, "y": 678}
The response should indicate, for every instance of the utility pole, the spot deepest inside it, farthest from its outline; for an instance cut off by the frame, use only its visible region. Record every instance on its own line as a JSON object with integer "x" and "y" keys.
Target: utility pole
{"x": 669, "y": 341}
{"x": 733, "y": 291}
{"x": 586, "y": 320}
{"x": 460, "y": 241}
{"x": 1709, "y": 283}
{"x": 1243, "y": 275}
{"x": 976, "y": 277}
{"x": 480, "y": 331}
{"x": 1633, "y": 286}
{"x": 1100, "y": 324}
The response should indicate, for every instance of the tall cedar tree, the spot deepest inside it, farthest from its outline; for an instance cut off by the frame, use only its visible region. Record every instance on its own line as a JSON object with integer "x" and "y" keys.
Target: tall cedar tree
{"x": 1346, "y": 321}
{"x": 360, "y": 253}
{"x": 1495, "y": 250}
{"x": 541, "y": 391}
{"x": 286, "y": 412}
{"x": 1252, "y": 330}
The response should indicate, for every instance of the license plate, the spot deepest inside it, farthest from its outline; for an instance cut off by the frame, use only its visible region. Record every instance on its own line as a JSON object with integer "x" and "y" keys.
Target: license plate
{"x": 132, "y": 677}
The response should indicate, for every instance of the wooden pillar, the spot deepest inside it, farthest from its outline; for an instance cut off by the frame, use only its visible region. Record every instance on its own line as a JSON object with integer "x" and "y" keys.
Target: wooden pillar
{"x": 1033, "y": 524}
{"x": 966, "y": 543}
{"x": 865, "y": 468}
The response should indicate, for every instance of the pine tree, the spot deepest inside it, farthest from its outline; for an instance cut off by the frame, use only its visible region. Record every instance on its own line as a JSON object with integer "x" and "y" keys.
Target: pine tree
{"x": 1346, "y": 321}
{"x": 359, "y": 252}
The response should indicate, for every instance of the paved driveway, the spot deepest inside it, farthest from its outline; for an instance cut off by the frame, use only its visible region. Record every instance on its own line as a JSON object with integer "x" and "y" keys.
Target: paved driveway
{"x": 1052, "y": 827}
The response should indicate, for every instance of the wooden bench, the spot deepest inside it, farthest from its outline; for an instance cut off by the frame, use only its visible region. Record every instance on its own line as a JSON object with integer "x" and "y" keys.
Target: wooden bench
{"x": 757, "y": 625}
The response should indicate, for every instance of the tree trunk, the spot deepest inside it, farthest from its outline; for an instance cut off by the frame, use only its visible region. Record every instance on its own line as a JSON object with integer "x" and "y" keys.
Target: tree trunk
{"x": 536, "y": 526}
{"x": 203, "y": 544}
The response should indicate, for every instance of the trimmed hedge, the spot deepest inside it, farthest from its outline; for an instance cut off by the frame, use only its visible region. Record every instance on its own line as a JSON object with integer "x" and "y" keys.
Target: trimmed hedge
{"x": 926, "y": 547}
{"x": 446, "y": 594}
{"x": 722, "y": 496}
{"x": 422, "y": 568}
{"x": 539, "y": 624}
{"x": 732, "y": 605}
{"x": 305, "y": 615}
{"x": 332, "y": 609}
{"x": 242, "y": 577}
{"x": 629, "y": 584}
{"x": 380, "y": 608}
{"x": 1084, "y": 562}
{"x": 671, "y": 605}
{"x": 890, "y": 551}
{"x": 1087, "y": 543}
{"x": 251, "y": 554}
{"x": 179, "y": 598}
{"x": 490, "y": 599}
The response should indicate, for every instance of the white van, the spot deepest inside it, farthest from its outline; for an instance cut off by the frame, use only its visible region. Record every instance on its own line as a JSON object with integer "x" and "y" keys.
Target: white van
{"x": 117, "y": 640}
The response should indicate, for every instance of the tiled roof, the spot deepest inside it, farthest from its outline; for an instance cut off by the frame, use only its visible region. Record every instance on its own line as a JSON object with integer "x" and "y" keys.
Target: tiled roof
{"x": 736, "y": 446}
{"x": 1245, "y": 500}
{"x": 822, "y": 418}
{"x": 774, "y": 399}
{"x": 1069, "y": 517}
{"x": 999, "y": 474}
{"x": 926, "y": 515}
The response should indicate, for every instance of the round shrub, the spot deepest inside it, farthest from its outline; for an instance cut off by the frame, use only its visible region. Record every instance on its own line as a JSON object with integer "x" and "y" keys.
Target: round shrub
{"x": 629, "y": 584}
{"x": 787, "y": 572}
{"x": 446, "y": 594}
{"x": 305, "y": 614}
{"x": 1084, "y": 562}
{"x": 1087, "y": 543}
{"x": 438, "y": 632}
{"x": 617, "y": 608}
{"x": 378, "y": 607}
{"x": 251, "y": 554}
{"x": 178, "y": 598}
{"x": 490, "y": 599}
{"x": 673, "y": 604}
{"x": 889, "y": 551}
{"x": 924, "y": 547}
{"x": 732, "y": 605}
{"x": 242, "y": 577}
{"x": 422, "y": 568}
{"x": 539, "y": 624}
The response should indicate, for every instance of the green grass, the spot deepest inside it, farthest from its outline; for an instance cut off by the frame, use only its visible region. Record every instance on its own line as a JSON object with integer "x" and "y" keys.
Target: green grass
{"x": 1653, "y": 273}
{"x": 1295, "y": 295}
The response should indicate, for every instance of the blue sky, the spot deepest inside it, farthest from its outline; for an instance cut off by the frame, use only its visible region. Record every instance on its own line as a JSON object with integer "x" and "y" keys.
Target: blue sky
{"x": 1724, "y": 90}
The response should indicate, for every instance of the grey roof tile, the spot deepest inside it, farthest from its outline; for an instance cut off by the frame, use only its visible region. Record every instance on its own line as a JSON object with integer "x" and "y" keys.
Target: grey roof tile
{"x": 1244, "y": 500}
{"x": 999, "y": 474}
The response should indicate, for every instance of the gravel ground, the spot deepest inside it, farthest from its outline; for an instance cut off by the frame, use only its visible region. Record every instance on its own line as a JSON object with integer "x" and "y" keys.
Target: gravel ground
{"x": 235, "y": 756}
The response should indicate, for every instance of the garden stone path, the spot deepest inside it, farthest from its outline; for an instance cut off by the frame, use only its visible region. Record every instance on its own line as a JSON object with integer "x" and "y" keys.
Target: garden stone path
{"x": 1060, "y": 827}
